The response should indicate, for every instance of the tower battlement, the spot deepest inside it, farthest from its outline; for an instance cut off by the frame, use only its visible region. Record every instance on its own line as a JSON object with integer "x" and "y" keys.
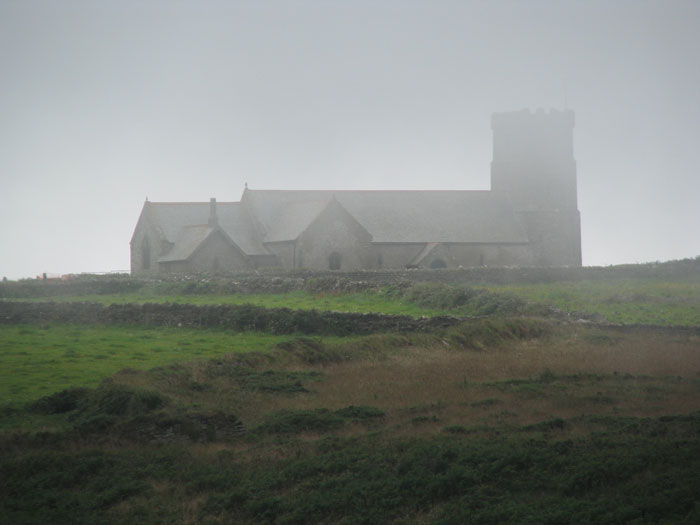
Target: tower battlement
{"x": 542, "y": 140}
{"x": 540, "y": 117}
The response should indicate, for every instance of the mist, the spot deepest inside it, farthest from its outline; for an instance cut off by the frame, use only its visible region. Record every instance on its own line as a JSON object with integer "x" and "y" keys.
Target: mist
{"x": 104, "y": 104}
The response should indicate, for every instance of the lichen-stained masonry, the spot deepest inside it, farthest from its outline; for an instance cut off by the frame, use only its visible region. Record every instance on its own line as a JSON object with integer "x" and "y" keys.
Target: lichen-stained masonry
{"x": 529, "y": 218}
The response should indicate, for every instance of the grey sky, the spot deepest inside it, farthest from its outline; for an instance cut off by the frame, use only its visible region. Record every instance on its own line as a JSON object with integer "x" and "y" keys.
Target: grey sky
{"x": 105, "y": 103}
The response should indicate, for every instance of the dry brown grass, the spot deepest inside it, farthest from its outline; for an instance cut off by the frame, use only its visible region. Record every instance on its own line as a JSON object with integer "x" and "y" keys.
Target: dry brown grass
{"x": 423, "y": 389}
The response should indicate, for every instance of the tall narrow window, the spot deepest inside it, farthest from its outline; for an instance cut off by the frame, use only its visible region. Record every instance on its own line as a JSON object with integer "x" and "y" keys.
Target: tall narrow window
{"x": 145, "y": 254}
{"x": 334, "y": 261}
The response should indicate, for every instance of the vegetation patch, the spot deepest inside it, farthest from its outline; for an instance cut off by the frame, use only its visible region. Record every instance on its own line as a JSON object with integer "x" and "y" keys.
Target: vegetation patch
{"x": 502, "y": 418}
{"x": 664, "y": 302}
{"x": 105, "y": 406}
{"x": 39, "y": 360}
{"x": 644, "y": 470}
{"x": 273, "y": 381}
{"x": 317, "y": 421}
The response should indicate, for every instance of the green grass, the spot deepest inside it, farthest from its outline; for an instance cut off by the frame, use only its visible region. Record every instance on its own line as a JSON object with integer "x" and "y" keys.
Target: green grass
{"x": 363, "y": 302}
{"x": 495, "y": 420}
{"x": 633, "y": 470}
{"x": 503, "y": 419}
{"x": 36, "y": 361}
{"x": 627, "y": 301}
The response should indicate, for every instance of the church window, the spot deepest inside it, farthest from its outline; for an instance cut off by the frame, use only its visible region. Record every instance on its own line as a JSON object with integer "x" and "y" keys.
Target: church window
{"x": 334, "y": 261}
{"x": 438, "y": 263}
{"x": 145, "y": 253}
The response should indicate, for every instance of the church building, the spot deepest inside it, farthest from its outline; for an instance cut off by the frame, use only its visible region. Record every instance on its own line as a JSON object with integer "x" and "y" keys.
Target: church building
{"x": 529, "y": 217}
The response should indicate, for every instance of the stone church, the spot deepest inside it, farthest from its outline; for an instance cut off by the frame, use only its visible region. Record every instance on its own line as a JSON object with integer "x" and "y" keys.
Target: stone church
{"x": 529, "y": 218}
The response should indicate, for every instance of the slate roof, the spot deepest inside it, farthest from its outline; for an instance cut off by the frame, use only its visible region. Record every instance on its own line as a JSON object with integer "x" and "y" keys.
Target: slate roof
{"x": 427, "y": 249}
{"x": 187, "y": 241}
{"x": 393, "y": 216}
{"x": 172, "y": 217}
{"x": 389, "y": 216}
{"x": 289, "y": 220}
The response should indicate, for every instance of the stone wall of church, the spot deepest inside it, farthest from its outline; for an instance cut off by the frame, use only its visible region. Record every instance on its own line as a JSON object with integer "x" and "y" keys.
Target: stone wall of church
{"x": 334, "y": 241}
{"x": 452, "y": 255}
{"x": 146, "y": 247}
{"x": 395, "y": 255}
{"x": 217, "y": 255}
{"x": 472, "y": 255}
{"x": 555, "y": 237}
{"x": 285, "y": 252}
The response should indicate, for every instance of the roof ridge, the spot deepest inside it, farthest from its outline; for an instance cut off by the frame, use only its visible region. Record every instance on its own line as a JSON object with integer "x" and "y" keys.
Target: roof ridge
{"x": 371, "y": 191}
{"x": 218, "y": 203}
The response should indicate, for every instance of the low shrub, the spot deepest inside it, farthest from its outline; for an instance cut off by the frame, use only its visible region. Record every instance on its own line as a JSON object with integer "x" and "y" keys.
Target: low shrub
{"x": 360, "y": 412}
{"x": 297, "y": 421}
{"x": 60, "y": 402}
{"x": 105, "y": 406}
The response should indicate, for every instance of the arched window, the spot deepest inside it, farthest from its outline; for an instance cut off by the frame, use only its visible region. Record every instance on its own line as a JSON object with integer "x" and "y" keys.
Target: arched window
{"x": 438, "y": 263}
{"x": 145, "y": 253}
{"x": 334, "y": 261}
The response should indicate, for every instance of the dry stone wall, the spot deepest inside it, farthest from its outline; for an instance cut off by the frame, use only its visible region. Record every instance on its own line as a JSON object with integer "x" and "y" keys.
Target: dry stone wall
{"x": 235, "y": 317}
{"x": 283, "y": 281}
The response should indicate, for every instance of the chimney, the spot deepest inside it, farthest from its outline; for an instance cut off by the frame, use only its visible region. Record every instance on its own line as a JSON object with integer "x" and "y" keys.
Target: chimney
{"x": 213, "y": 219}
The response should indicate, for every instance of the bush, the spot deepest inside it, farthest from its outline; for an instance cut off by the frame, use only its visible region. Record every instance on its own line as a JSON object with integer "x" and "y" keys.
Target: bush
{"x": 359, "y": 412}
{"x": 104, "y": 407}
{"x": 298, "y": 421}
{"x": 60, "y": 402}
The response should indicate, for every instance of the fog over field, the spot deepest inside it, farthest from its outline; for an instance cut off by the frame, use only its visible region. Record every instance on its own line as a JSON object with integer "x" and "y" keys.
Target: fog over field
{"x": 103, "y": 104}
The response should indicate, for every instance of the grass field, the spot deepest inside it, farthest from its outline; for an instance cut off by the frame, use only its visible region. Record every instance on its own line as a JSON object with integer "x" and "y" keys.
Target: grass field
{"x": 38, "y": 360}
{"x": 624, "y": 301}
{"x": 507, "y": 417}
{"x": 298, "y": 300}
{"x": 491, "y": 421}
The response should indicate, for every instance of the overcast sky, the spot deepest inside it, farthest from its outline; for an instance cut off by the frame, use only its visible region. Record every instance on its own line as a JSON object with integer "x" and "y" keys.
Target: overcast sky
{"x": 103, "y": 104}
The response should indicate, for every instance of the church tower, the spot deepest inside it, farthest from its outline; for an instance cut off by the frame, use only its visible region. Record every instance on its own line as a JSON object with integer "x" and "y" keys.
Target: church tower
{"x": 533, "y": 161}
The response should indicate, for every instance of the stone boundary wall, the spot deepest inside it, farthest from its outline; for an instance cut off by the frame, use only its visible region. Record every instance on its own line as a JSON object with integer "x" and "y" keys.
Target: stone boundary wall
{"x": 255, "y": 318}
{"x": 234, "y": 317}
{"x": 281, "y": 281}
